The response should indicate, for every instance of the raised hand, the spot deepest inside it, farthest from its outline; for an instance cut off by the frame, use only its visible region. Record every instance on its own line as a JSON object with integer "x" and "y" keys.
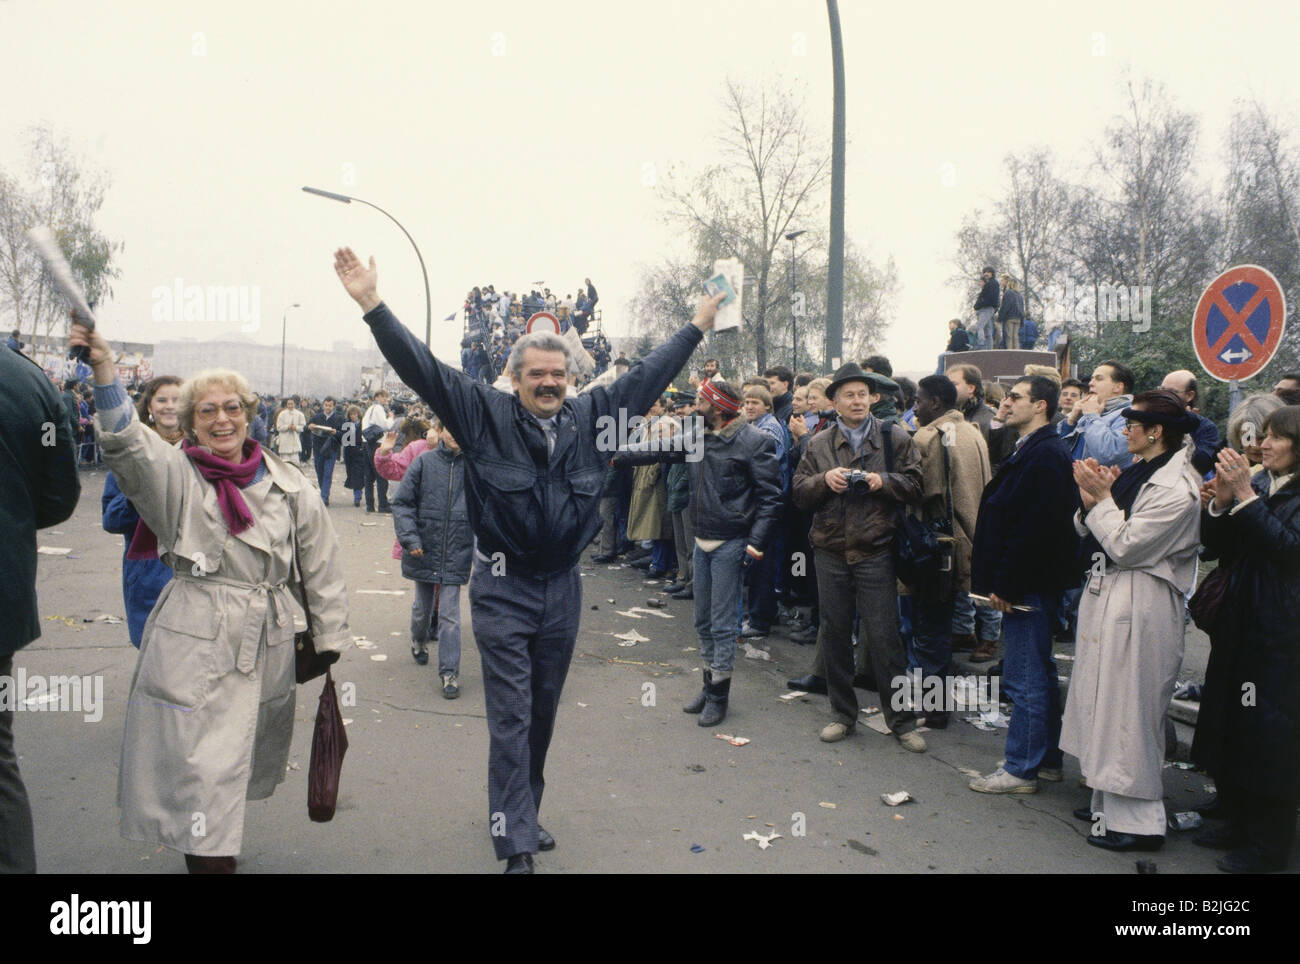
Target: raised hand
{"x": 359, "y": 281}
{"x": 707, "y": 311}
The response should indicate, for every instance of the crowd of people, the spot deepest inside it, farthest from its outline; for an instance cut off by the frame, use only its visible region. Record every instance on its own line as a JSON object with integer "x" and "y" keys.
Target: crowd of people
{"x": 1001, "y": 319}
{"x": 889, "y": 524}
{"x": 1055, "y": 509}
{"x": 495, "y": 321}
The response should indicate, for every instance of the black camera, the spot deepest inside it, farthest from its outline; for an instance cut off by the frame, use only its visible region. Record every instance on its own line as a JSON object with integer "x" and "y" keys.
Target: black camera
{"x": 858, "y": 483}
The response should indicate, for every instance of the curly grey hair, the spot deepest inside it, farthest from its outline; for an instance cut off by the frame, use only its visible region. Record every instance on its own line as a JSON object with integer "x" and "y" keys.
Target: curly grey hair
{"x": 542, "y": 341}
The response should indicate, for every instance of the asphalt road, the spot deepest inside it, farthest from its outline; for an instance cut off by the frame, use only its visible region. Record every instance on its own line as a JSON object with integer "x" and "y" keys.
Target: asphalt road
{"x": 633, "y": 783}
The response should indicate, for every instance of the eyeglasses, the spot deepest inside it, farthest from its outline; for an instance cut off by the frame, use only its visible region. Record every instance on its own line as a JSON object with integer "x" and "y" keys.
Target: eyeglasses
{"x": 1129, "y": 425}
{"x": 206, "y": 413}
{"x": 1015, "y": 396}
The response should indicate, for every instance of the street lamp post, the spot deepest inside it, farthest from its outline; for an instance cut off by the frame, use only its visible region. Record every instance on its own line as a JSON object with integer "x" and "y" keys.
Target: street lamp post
{"x": 794, "y": 317}
{"x": 835, "y": 267}
{"x": 428, "y": 304}
{"x": 284, "y": 322}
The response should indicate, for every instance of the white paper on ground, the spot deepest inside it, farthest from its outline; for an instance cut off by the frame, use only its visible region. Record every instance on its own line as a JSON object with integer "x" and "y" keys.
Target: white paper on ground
{"x": 763, "y": 841}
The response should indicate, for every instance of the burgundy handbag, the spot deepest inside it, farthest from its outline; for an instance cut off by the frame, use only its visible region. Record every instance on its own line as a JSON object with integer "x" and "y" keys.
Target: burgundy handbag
{"x": 1206, "y": 602}
{"x": 329, "y": 743}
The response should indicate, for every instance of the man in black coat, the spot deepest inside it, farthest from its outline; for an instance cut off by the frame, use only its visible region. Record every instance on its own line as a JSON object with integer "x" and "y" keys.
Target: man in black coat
{"x": 326, "y": 426}
{"x": 39, "y": 487}
{"x": 533, "y": 478}
{"x": 1023, "y": 557}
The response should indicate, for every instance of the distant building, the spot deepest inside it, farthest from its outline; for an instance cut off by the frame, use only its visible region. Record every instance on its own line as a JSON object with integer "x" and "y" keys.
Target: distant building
{"x": 307, "y": 371}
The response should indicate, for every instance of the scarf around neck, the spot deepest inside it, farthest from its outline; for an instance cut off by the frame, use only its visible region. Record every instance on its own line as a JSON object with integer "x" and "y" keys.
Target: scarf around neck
{"x": 228, "y": 478}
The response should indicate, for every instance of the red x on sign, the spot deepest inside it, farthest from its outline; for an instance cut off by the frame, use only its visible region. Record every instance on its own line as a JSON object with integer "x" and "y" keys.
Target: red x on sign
{"x": 1239, "y": 322}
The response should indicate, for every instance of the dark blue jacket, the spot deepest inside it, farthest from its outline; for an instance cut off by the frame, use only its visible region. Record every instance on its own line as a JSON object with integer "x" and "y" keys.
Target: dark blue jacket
{"x": 1208, "y": 444}
{"x": 429, "y": 513}
{"x": 539, "y": 511}
{"x": 39, "y": 487}
{"x": 988, "y": 297}
{"x": 1024, "y": 537}
{"x": 142, "y": 579}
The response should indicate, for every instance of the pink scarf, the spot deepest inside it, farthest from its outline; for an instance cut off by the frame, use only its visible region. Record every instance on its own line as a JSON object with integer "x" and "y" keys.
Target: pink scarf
{"x": 229, "y": 478}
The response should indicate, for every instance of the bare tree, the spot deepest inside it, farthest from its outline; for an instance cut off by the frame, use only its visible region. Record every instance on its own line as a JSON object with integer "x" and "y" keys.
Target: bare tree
{"x": 771, "y": 169}
{"x": 60, "y": 193}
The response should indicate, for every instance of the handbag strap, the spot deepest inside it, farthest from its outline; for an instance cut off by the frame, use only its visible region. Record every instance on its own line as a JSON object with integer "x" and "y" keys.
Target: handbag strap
{"x": 295, "y": 569}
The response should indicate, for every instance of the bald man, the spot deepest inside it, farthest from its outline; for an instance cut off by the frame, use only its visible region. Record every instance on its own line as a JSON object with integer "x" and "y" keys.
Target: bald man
{"x": 1206, "y": 436}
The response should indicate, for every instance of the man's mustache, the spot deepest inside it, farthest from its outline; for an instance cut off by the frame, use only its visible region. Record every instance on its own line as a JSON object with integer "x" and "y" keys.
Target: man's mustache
{"x": 554, "y": 392}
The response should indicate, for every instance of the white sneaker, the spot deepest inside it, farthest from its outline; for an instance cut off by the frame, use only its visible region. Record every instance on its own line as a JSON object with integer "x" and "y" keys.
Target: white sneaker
{"x": 834, "y": 732}
{"x": 1050, "y": 774}
{"x": 911, "y": 740}
{"x": 1000, "y": 781}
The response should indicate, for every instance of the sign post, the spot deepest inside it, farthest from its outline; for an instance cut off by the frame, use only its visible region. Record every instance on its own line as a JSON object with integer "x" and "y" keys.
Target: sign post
{"x": 1238, "y": 325}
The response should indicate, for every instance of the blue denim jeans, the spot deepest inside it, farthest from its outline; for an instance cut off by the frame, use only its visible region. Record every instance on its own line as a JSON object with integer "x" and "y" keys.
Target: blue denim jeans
{"x": 717, "y": 603}
{"x": 325, "y": 475}
{"x": 448, "y": 622}
{"x": 965, "y": 614}
{"x": 662, "y": 557}
{"x": 1030, "y": 681}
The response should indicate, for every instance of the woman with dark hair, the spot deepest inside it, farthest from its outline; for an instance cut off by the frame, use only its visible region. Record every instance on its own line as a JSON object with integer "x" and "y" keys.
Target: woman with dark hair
{"x": 1248, "y": 730}
{"x": 354, "y": 454}
{"x": 143, "y": 573}
{"x": 1141, "y": 529}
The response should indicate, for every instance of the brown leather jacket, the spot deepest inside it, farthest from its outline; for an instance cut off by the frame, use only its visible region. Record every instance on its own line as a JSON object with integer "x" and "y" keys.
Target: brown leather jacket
{"x": 857, "y": 526}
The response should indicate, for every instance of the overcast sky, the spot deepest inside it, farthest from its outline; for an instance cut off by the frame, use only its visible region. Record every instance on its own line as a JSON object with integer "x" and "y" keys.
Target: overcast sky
{"x": 511, "y": 138}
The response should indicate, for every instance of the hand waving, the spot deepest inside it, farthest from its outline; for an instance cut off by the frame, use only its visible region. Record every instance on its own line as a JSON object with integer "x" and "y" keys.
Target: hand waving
{"x": 359, "y": 281}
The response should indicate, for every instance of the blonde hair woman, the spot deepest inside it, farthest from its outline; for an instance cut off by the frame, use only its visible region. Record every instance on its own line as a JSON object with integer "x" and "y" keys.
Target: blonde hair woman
{"x": 210, "y": 712}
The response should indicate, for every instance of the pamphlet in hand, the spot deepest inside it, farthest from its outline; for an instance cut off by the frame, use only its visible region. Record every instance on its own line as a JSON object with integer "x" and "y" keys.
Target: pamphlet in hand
{"x": 728, "y": 279}
{"x": 986, "y": 602}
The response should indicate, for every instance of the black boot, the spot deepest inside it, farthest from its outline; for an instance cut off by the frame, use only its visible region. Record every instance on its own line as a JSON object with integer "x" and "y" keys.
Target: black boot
{"x": 715, "y": 702}
{"x": 697, "y": 704}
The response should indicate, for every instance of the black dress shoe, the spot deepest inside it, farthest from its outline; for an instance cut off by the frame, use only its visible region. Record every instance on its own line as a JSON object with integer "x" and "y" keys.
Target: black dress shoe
{"x": 686, "y": 593}
{"x": 1083, "y": 813}
{"x": 642, "y": 563}
{"x": 808, "y": 684}
{"x": 1119, "y": 841}
{"x": 1226, "y": 837}
{"x": 653, "y": 573}
{"x": 1249, "y": 860}
{"x": 520, "y": 864}
{"x": 603, "y": 560}
{"x": 544, "y": 840}
{"x": 936, "y": 721}
{"x": 673, "y": 587}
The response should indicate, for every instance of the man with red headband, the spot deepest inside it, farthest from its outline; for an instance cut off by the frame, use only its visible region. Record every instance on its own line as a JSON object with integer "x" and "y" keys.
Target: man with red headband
{"x": 735, "y": 507}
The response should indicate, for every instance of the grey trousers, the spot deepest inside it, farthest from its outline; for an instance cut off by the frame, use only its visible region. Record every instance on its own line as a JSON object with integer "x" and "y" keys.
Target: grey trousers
{"x": 448, "y": 623}
{"x": 525, "y": 630}
{"x": 684, "y": 541}
{"x": 872, "y": 585}
{"x": 17, "y": 841}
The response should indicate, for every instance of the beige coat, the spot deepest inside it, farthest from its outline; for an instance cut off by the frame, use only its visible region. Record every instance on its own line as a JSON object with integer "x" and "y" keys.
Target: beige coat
{"x": 211, "y": 707}
{"x": 968, "y": 461}
{"x": 288, "y": 425}
{"x": 1130, "y": 636}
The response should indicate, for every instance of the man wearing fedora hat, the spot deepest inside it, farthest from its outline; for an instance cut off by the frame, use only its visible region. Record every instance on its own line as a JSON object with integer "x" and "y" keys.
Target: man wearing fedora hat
{"x": 854, "y": 477}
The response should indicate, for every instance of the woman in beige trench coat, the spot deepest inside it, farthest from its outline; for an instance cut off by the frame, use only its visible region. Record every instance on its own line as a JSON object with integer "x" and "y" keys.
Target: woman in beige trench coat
{"x": 211, "y": 707}
{"x": 1145, "y": 529}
